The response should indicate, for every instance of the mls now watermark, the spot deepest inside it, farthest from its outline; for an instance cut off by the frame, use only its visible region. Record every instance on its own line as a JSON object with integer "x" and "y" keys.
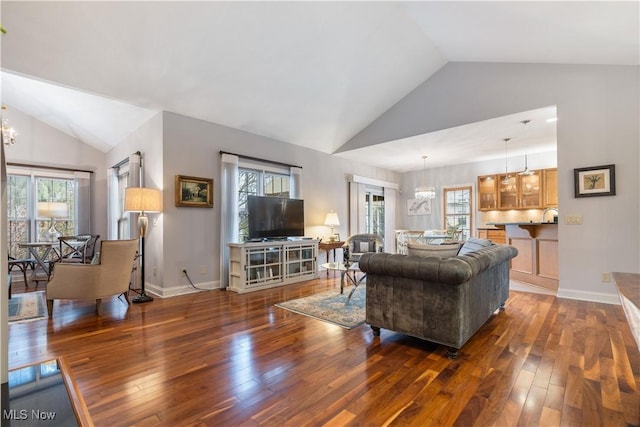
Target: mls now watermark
{"x": 24, "y": 414}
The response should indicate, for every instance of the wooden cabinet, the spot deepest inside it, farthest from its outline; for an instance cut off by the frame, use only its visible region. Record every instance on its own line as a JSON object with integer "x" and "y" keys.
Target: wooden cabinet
{"x": 487, "y": 193}
{"x": 512, "y": 191}
{"x": 507, "y": 191}
{"x": 537, "y": 260}
{"x": 550, "y": 188}
{"x": 520, "y": 191}
{"x": 530, "y": 191}
{"x": 495, "y": 235}
{"x": 263, "y": 265}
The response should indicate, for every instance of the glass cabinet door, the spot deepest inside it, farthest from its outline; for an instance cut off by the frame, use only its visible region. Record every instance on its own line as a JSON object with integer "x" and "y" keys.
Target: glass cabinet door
{"x": 487, "y": 197}
{"x": 508, "y": 191}
{"x": 530, "y": 191}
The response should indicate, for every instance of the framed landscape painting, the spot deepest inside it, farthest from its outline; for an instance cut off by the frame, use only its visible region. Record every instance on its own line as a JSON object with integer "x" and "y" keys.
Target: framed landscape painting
{"x": 194, "y": 192}
{"x": 595, "y": 181}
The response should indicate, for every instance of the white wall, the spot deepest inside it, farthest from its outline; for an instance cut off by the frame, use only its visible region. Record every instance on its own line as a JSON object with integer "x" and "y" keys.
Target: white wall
{"x": 598, "y": 109}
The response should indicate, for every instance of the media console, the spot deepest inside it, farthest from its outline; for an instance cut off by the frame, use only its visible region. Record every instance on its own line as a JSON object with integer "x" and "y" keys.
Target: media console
{"x": 262, "y": 265}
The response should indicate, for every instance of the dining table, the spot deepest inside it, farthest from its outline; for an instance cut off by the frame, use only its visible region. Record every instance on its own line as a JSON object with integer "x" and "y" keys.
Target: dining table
{"x": 43, "y": 253}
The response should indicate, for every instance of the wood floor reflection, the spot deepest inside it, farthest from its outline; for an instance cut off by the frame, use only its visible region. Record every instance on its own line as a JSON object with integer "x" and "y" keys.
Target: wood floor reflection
{"x": 222, "y": 359}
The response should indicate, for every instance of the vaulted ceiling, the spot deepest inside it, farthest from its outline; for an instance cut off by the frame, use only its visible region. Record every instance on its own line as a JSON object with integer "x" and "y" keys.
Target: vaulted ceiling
{"x": 307, "y": 73}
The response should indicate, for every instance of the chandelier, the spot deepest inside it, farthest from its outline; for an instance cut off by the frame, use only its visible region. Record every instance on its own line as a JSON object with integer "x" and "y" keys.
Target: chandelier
{"x": 8, "y": 133}
{"x": 424, "y": 192}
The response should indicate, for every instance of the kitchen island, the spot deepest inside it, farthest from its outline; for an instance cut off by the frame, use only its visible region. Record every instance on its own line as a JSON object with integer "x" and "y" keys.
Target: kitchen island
{"x": 537, "y": 244}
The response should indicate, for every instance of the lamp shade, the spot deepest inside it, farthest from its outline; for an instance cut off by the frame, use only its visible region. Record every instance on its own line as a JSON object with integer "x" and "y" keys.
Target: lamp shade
{"x": 331, "y": 219}
{"x": 140, "y": 199}
{"x": 52, "y": 210}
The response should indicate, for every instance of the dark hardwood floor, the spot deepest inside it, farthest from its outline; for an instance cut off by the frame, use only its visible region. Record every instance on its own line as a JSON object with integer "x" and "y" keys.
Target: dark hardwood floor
{"x": 217, "y": 358}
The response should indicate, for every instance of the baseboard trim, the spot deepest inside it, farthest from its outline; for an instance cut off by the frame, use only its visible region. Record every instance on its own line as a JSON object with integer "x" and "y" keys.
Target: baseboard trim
{"x": 614, "y": 299}
{"x": 589, "y": 296}
{"x": 175, "y": 291}
{"x": 515, "y": 285}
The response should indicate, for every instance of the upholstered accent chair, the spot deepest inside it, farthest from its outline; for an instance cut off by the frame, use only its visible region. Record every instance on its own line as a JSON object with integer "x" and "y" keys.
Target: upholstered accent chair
{"x": 95, "y": 281}
{"x": 359, "y": 244}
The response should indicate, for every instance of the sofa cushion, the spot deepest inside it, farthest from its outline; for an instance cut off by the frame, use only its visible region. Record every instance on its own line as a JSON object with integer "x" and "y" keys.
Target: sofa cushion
{"x": 473, "y": 245}
{"x": 439, "y": 251}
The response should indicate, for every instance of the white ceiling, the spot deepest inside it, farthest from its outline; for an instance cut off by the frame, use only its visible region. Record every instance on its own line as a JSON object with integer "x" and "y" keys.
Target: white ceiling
{"x": 308, "y": 73}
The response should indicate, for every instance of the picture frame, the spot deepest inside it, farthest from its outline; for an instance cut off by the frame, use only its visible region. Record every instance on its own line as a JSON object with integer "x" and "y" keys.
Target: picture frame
{"x": 419, "y": 207}
{"x": 194, "y": 192}
{"x": 595, "y": 181}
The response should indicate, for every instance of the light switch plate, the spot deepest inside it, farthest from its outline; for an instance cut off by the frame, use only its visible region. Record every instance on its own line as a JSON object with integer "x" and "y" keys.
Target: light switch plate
{"x": 573, "y": 219}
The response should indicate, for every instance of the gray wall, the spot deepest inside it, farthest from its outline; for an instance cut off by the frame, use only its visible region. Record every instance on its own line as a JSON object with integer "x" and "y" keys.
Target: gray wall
{"x": 191, "y": 235}
{"x": 40, "y": 144}
{"x": 457, "y": 176}
{"x": 598, "y": 110}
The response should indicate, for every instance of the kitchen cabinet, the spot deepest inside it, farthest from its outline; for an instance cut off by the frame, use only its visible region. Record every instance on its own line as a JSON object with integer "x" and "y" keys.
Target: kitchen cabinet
{"x": 487, "y": 193}
{"x": 494, "y": 234}
{"x": 550, "y": 188}
{"x": 520, "y": 191}
{"x": 538, "y": 190}
{"x": 537, "y": 260}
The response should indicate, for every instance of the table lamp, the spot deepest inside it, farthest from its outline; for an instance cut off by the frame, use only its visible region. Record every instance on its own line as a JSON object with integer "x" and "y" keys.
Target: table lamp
{"x": 140, "y": 199}
{"x": 332, "y": 220}
{"x": 52, "y": 210}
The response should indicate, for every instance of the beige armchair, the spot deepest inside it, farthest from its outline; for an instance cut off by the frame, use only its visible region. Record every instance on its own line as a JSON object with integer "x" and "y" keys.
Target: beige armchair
{"x": 95, "y": 281}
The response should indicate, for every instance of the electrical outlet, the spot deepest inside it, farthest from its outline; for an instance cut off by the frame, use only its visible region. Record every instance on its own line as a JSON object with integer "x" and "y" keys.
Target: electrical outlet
{"x": 203, "y": 269}
{"x": 606, "y": 277}
{"x": 183, "y": 271}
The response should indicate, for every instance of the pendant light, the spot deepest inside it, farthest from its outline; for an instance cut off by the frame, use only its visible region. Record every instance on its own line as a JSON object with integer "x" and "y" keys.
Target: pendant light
{"x": 526, "y": 171}
{"x": 507, "y": 177}
{"x": 424, "y": 192}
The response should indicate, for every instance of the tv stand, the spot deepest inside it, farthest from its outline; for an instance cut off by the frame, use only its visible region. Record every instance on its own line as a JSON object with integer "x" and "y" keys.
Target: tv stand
{"x": 267, "y": 264}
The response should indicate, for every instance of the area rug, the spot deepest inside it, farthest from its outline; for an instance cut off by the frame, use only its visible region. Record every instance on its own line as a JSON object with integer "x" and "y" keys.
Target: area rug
{"x": 26, "y": 307}
{"x": 332, "y": 307}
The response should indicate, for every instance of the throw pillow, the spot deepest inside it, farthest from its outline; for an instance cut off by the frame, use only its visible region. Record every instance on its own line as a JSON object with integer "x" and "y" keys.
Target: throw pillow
{"x": 473, "y": 245}
{"x": 438, "y": 251}
{"x": 365, "y": 247}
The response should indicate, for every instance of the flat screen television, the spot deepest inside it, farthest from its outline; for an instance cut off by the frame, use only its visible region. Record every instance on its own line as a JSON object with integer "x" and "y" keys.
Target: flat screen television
{"x": 275, "y": 217}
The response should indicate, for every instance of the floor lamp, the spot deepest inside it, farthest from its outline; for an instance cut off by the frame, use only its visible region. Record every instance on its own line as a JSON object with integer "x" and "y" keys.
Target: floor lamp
{"x": 140, "y": 199}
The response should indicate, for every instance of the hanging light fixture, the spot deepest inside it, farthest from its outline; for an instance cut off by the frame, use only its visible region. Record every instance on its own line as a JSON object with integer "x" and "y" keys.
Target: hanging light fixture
{"x": 8, "y": 133}
{"x": 507, "y": 178}
{"x": 424, "y": 192}
{"x": 526, "y": 171}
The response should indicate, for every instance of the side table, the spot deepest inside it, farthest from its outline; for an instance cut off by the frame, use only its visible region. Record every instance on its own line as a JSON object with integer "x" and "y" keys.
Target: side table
{"x": 330, "y": 246}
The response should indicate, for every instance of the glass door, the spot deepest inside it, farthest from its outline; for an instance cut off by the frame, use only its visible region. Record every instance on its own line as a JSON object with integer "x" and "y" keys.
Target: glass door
{"x": 374, "y": 211}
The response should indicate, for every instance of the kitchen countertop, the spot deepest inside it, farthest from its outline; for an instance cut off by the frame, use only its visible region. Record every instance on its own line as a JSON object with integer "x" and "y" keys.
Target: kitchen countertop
{"x": 522, "y": 223}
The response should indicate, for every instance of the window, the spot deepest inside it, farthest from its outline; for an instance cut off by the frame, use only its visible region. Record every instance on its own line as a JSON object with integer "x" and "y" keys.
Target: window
{"x": 374, "y": 212}
{"x": 253, "y": 182}
{"x": 26, "y": 190}
{"x": 122, "y": 221}
{"x": 457, "y": 212}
